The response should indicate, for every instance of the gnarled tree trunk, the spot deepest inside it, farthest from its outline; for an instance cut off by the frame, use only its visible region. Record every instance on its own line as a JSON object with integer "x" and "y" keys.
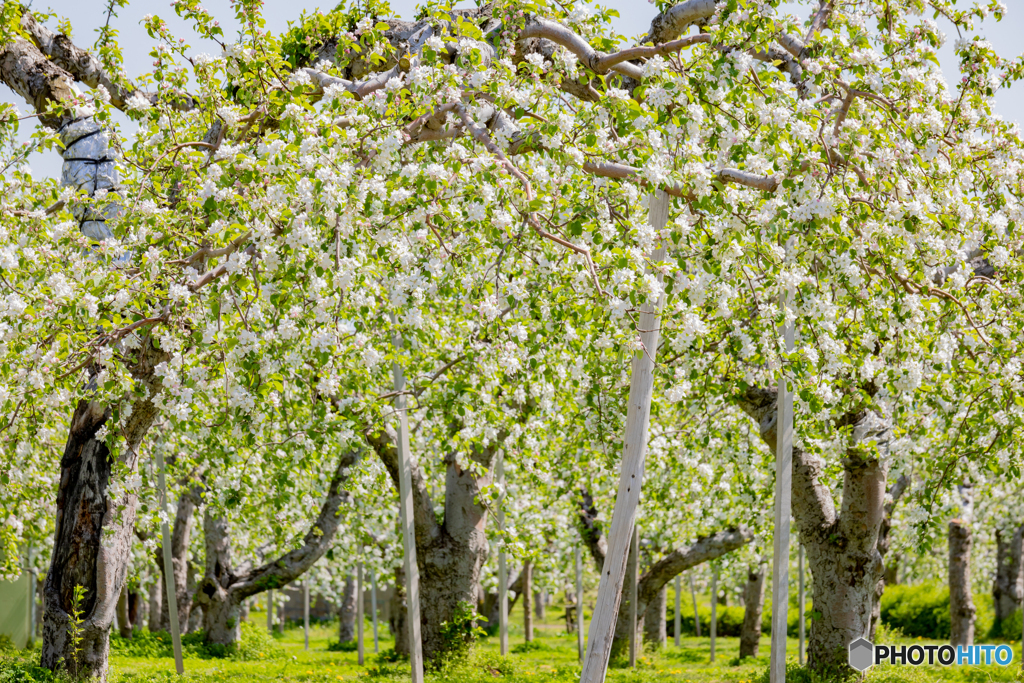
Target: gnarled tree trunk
{"x": 180, "y": 535}
{"x": 894, "y": 494}
{"x": 1008, "y": 586}
{"x": 753, "y": 599}
{"x": 222, "y": 590}
{"x": 347, "y": 611}
{"x": 654, "y": 617}
{"x": 842, "y": 548}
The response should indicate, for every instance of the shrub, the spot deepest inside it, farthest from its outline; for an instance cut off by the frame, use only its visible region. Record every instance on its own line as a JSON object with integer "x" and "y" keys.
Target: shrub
{"x": 255, "y": 644}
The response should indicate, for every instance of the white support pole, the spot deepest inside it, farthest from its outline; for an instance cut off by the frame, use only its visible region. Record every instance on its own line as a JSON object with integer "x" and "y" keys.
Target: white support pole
{"x": 696, "y": 616}
{"x": 677, "y": 623}
{"x": 502, "y": 564}
{"x": 373, "y": 609}
{"x": 714, "y": 610}
{"x": 172, "y": 598}
{"x": 360, "y": 617}
{"x": 800, "y": 572}
{"x": 270, "y": 610}
{"x": 305, "y": 612}
{"x": 412, "y": 572}
{"x": 634, "y": 451}
{"x": 580, "y": 643}
{"x": 783, "y": 496}
{"x": 634, "y": 561}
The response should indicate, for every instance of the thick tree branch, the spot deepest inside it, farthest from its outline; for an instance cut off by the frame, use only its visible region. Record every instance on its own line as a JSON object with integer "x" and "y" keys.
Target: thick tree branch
{"x": 383, "y": 443}
{"x": 591, "y": 529}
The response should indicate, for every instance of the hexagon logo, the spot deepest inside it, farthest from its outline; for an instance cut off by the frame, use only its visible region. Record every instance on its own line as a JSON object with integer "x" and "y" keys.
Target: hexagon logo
{"x": 862, "y": 654}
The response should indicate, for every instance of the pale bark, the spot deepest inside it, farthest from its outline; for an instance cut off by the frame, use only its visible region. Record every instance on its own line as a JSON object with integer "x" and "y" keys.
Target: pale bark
{"x": 527, "y": 606}
{"x": 124, "y": 624}
{"x": 884, "y": 541}
{"x": 753, "y": 599}
{"x": 223, "y": 588}
{"x": 842, "y": 547}
{"x": 961, "y": 602}
{"x": 347, "y": 611}
{"x": 156, "y": 593}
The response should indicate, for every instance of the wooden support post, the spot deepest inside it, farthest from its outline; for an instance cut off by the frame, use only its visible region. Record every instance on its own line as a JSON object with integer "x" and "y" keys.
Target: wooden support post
{"x": 373, "y": 609}
{"x": 172, "y": 597}
{"x": 502, "y": 563}
{"x": 634, "y": 451}
{"x": 696, "y": 617}
{"x": 412, "y": 571}
{"x": 783, "y": 499}
{"x": 677, "y": 622}
{"x": 714, "y": 610}
{"x": 305, "y": 612}
{"x": 634, "y": 562}
{"x": 800, "y": 574}
{"x": 580, "y": 642}
{"x": 360, "y": 617}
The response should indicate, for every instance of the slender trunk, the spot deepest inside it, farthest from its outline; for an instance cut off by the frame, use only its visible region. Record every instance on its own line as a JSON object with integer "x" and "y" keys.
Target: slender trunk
{"x": 527, "y": 606}
{"x": 753, "y": 598}
{"x": 961, "y": 603}
{"x": 124, "y": 624}
{"x": 539, "y": 599}
{"x": 347, "y": 611}
{"x": 654, "y": 619}
{"x": 136, "y": 607}
{"x": 398, "y": 614}
{"x": 1008, "y": 587}
{"x": 884, "y": 541}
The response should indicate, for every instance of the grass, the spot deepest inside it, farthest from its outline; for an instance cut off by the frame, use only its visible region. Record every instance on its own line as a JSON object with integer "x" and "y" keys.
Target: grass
{"x": 552, "y": 660}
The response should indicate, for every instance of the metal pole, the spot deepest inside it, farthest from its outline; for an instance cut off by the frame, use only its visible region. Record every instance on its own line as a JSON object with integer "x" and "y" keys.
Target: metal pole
{"x": 373, "y": 608}
{"x": 305, "y": 611}
{"x": 412, "y": 572}
{"x": 696, "y": 617}
{"x": 360, "y": 617}
{"x": 580, "y": 644}
{"x": 800, "y": 571}
{"x": 270, "y": 610}
{"x": 634, "y": 452}
{"x": 634, "y": 554}
{"x": 677, "y": 623}
{"x": 783, "y": 503}
{"x": 714, "y": 610}
{"x": 502, "y": 565}
{"x": 169, "y": 582}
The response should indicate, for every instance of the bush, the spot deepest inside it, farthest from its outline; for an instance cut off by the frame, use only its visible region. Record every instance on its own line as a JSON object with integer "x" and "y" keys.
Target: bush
{"x": 254, "y": 645}
{"x": 730, "y": 620}
{"x": 18, "y": 667}
{"x": 917, "y": 611}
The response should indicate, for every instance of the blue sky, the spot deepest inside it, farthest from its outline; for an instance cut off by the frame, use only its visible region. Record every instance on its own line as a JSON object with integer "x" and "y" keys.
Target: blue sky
{"x": 635, "y": 17}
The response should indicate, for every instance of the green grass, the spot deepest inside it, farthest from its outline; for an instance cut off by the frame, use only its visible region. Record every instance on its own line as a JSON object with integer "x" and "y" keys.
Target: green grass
{"x": 552, "y": 660}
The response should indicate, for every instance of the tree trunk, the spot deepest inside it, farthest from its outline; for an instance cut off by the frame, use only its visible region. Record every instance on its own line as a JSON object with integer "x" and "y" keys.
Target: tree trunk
{"x": 654, "y": 619}
{"x": 1008, "y": 587}
{"x": 539, "y": 599}
{"x": 136, "y": 607}
{"x": 93, "y": 533}
{"x": 347, "y": 611}
{"x": 156, "y": 598}
{"x": 399, "y": 614}
{"x": 842, "y": 548}
{"x": 753, "y": 599}
{"x": 654, "y": 580}
{"x": 124, "y": 624}
{"x": 222, "y": 590}
{"x": 892, "y": 571}
{"x": 180, "y": 536}
{"x": 527, "y": 603}
{"x": 961, "y": 603}
{"x": 884, "y": 541}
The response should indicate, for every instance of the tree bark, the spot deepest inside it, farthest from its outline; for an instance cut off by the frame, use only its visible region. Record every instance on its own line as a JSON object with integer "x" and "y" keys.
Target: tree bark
{"x": 842, "y": 548}
{"x": 347, "y": 611}
{"x": 591, "y": 530}
{"x": 961, "y": 602}
{"x": 894, "y": 493}
{"x": 654, "y": 580}
{"x": 180, "y": 536}
{"x": 450, "y": 554}
{"x": 527, "y": 603}
{"x": 222, "y": 590}
{"x": 124, "y": 624}
{"x": 156, "y": 593}
{"x": 753, "y": 599}
{"x": 399, "y": 614}
{"x": 1008, "y": 587}
{"x": 654, "y": 619}
{"x": 539, "y": 599}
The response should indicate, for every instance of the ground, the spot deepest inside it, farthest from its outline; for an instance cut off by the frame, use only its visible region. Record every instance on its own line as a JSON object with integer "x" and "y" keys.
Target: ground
{"x": 552, "y": 660}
